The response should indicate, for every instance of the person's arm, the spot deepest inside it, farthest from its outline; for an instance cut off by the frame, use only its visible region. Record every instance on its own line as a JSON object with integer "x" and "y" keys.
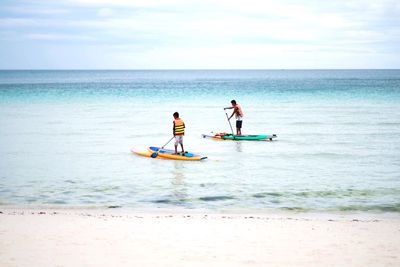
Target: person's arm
{"x": 173, "y": 128}
{"x": 234, "y": 112}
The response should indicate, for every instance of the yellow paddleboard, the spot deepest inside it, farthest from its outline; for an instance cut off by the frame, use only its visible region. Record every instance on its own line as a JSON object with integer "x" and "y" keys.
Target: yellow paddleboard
{"x": 169, "y": 154}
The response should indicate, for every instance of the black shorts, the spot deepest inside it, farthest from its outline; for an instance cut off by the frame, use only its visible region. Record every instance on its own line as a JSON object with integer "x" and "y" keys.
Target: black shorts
{"x": 239, "y": 124}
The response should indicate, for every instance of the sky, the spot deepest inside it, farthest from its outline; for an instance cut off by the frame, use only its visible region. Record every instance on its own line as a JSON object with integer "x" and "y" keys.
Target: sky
{"x": 199, "y": 34}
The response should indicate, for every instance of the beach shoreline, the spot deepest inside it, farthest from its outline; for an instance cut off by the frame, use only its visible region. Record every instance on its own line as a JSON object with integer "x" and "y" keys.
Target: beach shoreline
{"x": 118, "y": 237}
{"x": 158, "y": 211}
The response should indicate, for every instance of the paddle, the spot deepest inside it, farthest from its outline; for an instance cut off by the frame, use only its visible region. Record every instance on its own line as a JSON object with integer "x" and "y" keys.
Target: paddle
{"x": 229, "y": 124}
{"x": 155, "y": 154}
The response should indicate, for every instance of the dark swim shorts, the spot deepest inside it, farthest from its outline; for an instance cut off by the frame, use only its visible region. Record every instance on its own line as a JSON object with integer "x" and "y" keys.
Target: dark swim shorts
{"x": 239, "y": 124}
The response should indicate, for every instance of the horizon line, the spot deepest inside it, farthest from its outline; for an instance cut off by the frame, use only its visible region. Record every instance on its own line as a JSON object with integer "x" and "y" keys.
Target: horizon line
{"x": 200, "y": 69}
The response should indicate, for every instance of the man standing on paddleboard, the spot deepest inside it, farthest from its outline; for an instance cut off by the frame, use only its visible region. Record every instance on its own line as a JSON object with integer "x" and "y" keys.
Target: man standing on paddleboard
{"x": 237, "y": 111}
{"x": 178, "y": 131}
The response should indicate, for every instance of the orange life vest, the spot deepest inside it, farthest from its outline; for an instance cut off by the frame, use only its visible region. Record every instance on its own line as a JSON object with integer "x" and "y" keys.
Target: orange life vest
{"x": 179, "y": 127}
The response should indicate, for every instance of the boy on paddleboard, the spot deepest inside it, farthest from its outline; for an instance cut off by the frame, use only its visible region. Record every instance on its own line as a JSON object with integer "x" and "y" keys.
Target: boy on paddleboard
{"x": 178, "y": 131}
{"x": 237, "y": 111}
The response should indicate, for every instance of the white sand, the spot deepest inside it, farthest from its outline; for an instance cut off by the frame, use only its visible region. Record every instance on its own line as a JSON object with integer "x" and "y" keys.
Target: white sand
{"x": 81, "y": 238}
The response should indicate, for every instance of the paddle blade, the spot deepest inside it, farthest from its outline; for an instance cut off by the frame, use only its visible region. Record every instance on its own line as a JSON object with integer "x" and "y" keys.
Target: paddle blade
{"x": 154, "y": 155}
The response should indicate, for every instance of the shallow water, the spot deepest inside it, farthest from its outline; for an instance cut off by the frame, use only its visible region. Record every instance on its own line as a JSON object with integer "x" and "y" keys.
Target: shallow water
{"x": 65, "y": 138}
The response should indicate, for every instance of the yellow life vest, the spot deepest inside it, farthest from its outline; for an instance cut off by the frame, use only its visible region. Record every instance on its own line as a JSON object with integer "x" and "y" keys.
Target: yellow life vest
{"x": 179, "y": 127}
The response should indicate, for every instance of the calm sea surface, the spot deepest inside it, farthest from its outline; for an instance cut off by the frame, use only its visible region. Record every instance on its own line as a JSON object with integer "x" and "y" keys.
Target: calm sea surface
{"x": 65, "y": 139}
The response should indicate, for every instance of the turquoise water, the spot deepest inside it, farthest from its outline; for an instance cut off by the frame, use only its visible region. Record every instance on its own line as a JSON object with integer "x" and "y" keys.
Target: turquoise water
{"x": 65, "y": 138}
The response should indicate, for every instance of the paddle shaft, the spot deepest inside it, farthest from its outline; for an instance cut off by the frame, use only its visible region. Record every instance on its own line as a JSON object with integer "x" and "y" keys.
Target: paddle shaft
{"x": 229, "y": 123}
{"x": 155, "y": 154}
{"x": 168, "y": 142}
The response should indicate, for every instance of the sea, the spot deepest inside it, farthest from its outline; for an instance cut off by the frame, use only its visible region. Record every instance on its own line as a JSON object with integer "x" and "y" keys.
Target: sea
{"x": 66, "y": 139}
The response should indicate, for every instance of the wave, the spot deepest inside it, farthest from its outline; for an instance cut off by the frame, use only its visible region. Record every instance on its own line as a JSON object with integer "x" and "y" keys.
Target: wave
{"x": 349, "y": 193}
{"x": 327, "y": 155}
{"x": 388, "y": 124}
{"x": 216, "y": 198}
{"x": 181, "y": 201}
{"x": 395, "y": 207}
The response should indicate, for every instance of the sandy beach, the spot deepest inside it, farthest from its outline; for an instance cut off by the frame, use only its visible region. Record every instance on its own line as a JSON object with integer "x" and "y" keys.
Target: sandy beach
{"x": 52, "y": 237}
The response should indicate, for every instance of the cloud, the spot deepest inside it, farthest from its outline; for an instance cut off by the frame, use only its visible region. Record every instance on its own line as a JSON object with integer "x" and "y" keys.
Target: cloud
{"x": 18, "y": 22}
{"x": 128, "y": 3}
{"x": 228, "y": 30}
{"x": 105, "y": 12}
{"x": 57, "y": 37}
{"x": 23, "y": 10}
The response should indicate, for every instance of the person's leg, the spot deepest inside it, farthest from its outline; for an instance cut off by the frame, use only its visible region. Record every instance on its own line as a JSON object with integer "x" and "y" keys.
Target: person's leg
{"x": 181, "y": 141}
{"x": 239, "y": 127}
{"x": 176, "y": 144}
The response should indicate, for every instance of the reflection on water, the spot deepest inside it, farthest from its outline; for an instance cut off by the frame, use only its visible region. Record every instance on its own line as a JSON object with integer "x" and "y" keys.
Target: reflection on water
{"x": 179, "y": 189}
{"x": 238, "y": 146}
